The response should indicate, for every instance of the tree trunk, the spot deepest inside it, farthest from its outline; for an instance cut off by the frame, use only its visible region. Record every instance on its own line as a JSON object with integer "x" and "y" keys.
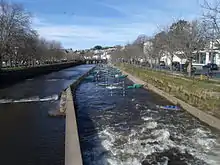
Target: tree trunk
{"x": 1, "y": 57}
{"x": 151, "y": 63}
{"x": 0, "y": 62}
{"x": 181, "y": 66}
{"x": 189, "y": 68}
{"x": 171, "y": 65}
{"x": 33, "y": 62}
{"x": 11, "y": 62}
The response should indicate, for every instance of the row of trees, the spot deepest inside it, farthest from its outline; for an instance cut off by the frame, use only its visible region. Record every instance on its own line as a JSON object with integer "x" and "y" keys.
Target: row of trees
{"x": 182, "y": 37}
{"x": 20, "y": 44}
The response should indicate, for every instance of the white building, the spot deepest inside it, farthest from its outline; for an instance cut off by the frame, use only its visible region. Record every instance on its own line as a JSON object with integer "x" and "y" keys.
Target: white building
{"x": 176, "y": 58}
{"x": 209, "y": 55}
{"x": 96, "y": 57}
{"x": 200, "y": 58}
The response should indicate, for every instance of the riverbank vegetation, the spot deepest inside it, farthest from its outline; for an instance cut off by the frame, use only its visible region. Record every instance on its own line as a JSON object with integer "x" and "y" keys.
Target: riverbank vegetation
{"x": 201, "y": 94}
{"x": 20, "y": 43}
{"x": 184, "y": 40}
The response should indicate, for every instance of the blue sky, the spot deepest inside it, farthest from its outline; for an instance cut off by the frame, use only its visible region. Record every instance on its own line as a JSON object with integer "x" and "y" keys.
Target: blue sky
{"x": 80, "y": 24}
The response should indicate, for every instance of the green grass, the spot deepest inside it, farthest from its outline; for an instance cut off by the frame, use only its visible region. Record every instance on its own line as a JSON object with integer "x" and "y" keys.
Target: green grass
{"x": 203, "y": 94}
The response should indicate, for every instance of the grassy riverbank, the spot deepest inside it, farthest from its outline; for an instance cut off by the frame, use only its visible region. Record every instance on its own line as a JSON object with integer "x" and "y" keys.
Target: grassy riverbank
{"x": 204, "y": 95}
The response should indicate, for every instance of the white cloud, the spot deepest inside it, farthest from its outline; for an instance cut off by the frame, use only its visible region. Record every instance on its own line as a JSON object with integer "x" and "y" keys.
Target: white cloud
{"x": 85, "y": 32}
{"x": 82, "y": 36}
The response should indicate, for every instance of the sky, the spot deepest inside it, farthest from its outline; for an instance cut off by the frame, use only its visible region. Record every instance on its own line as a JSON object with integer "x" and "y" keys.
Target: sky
{"x": 81, "y": 24}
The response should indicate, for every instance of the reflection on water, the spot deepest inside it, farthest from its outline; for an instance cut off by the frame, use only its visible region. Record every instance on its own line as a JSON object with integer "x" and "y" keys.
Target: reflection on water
{"x": 120, "y": 126}
{"x": 28, "y": 136}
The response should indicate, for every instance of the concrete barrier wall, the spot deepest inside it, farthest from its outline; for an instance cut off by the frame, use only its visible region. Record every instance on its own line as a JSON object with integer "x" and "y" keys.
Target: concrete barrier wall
{"x": 72, "y": 145}
{"x": 73, "y": 154}
{"x": 8, "y": 77}
{"x": 201, "y": 115}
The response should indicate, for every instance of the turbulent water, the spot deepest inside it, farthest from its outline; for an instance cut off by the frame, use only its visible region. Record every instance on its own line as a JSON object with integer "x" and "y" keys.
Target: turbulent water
{"x": 120, "y": 126}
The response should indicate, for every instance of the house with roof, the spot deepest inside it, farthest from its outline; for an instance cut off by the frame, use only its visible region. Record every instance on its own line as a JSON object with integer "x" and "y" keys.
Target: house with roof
{"x": 210, "y": 54}
{"x": 177, "y": 57}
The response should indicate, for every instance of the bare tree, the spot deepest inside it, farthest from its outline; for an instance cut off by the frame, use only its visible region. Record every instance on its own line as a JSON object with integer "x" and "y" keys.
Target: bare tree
{"x": 19, "y": 43}
{"x": 159, "y": 44}
{"x": 141, "y": 39}
{"x": 12, "y": 19}
{"x": 211, "y": 20}
{"x": 150, "y": 52}
{"x": 211, "y": 16}
{"x": 171, "y": 46}
{"x": 191, "y": 37}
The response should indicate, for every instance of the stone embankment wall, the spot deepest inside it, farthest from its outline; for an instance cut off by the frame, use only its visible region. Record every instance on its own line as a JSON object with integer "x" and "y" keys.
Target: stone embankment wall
{"x": 201, "y": 115}
{"x": 66, "y": 108}
{"x": 9, "y": 77}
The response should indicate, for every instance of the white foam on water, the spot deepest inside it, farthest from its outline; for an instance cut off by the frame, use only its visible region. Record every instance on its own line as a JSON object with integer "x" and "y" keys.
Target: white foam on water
{"x": 151, "y": 125}
{"x": 119, "y": 83}
{"x": 50, "y": 98}
{"x": 113, "y": 87}
{"x": 54, "y": 79}
{"x": 121, "y": 123}
{"x": 146, "y": 118}
{"x": 26, "y": 100}
{"x": 130, "y": 151}
{"x": 201, "y": 138}
{"x": 162, "y": 135}
{"x": 113, "y": 161}
{"x": 207, "y": 144}
{"x": 129, "y": 161}
{"x": 165, "y": 162}
{"x": 130, "y": 147}
{"x": 4, "y": 101}
{"x": 107, "y": 133}
{"x": 107, "y": 144}
{"x": 200, "y": 145}
{"x": 30, "y": 99}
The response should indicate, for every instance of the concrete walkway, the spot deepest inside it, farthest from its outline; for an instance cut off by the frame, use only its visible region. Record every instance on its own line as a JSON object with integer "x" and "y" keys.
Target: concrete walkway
{"x": 72, "y": 144}
{"x": 73, "y": 154}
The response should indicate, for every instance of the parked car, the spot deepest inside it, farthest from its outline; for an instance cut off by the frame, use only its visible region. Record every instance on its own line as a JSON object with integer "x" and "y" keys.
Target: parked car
{"x": 162, "y": 63}
{"x": 183, "y": 67}
{"x": 176, "y": 66}
{"x": 64, "y": 60}
{"x": 145, "y": 64}
{"x": 210, "y": 66}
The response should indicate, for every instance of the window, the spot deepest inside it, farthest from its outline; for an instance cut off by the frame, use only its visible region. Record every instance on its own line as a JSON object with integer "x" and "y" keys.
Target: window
{"x": 213, "y": 57}
{"x": 202, "y": 58}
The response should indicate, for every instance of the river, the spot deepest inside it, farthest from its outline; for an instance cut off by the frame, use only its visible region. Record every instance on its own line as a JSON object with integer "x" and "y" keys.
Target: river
{"x": 28, "y": 135}
{"x": 120, "y": 126}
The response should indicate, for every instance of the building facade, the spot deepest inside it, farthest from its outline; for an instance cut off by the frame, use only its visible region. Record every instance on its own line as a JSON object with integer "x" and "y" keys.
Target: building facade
{"x": 209, "y": 55}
